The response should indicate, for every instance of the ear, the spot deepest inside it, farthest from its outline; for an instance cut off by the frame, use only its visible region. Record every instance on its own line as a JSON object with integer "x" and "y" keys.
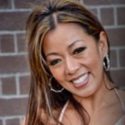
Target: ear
{"x": 103, "y": 45}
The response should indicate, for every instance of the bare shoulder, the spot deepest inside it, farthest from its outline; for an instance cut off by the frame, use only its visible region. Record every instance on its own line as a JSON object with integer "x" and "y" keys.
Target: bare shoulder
{"x": 47, "y": 119}
{"x": 71, "y": 116}
{"x": 121, "y": 93}
{"x": 43, "y": 116}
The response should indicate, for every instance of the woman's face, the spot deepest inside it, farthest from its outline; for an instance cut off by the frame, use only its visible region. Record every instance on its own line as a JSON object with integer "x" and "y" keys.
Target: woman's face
{"x": 75, "y": 59}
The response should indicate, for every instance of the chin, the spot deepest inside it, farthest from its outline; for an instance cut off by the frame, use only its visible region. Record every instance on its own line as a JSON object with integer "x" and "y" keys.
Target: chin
{"x": 87, "y": 92}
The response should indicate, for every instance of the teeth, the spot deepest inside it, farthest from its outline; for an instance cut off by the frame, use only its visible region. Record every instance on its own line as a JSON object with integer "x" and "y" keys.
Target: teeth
{"x": 81, "y": 79}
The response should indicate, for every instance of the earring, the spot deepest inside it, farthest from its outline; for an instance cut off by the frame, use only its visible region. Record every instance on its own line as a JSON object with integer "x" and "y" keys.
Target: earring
{"x": 52, "y": 89}
{"x": 106, "y": 63}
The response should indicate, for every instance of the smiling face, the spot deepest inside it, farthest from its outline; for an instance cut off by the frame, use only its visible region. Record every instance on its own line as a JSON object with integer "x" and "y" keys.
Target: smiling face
{"x": 75, "y": 59}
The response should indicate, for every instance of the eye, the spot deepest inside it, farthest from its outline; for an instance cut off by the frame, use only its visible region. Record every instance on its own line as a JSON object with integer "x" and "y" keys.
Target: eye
{"x": 54, "y": 62}
{"x": 79, "y": 50}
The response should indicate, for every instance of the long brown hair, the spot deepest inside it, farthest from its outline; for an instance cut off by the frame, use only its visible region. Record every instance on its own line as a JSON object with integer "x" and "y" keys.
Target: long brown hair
{"x": 44, "y": 18}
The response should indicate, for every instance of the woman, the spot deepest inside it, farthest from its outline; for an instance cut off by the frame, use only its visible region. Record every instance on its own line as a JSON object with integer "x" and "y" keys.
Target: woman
{"x": 69, "y": 60}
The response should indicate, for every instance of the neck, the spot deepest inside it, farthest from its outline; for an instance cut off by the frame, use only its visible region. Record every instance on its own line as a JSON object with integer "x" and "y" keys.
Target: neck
{"x": 98, "y": 100}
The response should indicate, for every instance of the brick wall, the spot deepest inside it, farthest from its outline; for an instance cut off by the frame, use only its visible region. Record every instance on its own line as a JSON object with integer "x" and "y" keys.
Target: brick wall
{"x": 14, "y": 75}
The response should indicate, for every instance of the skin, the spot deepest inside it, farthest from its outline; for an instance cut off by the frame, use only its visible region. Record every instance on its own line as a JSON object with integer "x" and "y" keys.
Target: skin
{"x": 72, "y": 54}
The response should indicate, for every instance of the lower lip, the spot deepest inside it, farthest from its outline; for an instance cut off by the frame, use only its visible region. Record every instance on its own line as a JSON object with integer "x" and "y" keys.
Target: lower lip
{"x": 81, "y": 85}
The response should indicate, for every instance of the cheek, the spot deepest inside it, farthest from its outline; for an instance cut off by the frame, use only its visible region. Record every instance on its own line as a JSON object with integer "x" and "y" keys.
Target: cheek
{"x": 97, "y": 66}
{"x": 57, "y": 74}
{"x": 92, "y": 61}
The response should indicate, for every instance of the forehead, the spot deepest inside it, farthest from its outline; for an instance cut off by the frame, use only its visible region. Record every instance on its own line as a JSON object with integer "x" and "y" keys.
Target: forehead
{"x": 65, "y": 32}
{"x": 63, "y": 36}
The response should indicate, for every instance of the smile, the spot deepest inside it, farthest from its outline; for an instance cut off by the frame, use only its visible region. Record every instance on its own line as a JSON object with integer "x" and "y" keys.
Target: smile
{"x": 81, "y": 81}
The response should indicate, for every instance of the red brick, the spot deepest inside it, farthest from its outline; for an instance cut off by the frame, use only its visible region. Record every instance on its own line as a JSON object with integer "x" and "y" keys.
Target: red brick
{"x": 113, "y": 58}
{"x": 13, "y": 64}
{"x": 122, "y": 57}
{"x": 107, "y": 17}
{"x": 9, "y": 107}
{"x": 21, "y": 43}
{"x": 23, "y": 3}
{"x": 121, "y": 16}
{"x": 94, "y": 11}
{"x": 26, "y": 3}
{"x": 1, "y": 123}
{"x": 14, "y": 121}
{"x": 5, "y": 4}
{"x": 118, "y": 77}
{"x": 103, "y": 2}
{"x": 117, "y": 36}
{"x": 8, "y": 85}
{"x": 24, "y": 84}
{"x": 7, "y": 43}
{"x": 13, "y": 20}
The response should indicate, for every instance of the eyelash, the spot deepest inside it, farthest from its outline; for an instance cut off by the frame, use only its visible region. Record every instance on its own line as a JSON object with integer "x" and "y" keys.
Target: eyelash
{"x": 76, "y": 51}
{"x": 54, "y": 62}
{"x": 79, "y": 50}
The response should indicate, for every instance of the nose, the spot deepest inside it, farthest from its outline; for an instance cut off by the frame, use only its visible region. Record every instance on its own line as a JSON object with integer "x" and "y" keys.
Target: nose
{"x": 71, "y": 65}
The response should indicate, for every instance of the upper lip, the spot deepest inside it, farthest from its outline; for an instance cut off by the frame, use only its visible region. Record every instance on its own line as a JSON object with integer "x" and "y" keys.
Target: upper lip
{"x": 75, "y": 78}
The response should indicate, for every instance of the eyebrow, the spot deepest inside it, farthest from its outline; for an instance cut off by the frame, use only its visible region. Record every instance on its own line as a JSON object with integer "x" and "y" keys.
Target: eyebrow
{"x": 73, "y": 43}
{"x": 52, "y": 53}
{"x": 69, "y": 46}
